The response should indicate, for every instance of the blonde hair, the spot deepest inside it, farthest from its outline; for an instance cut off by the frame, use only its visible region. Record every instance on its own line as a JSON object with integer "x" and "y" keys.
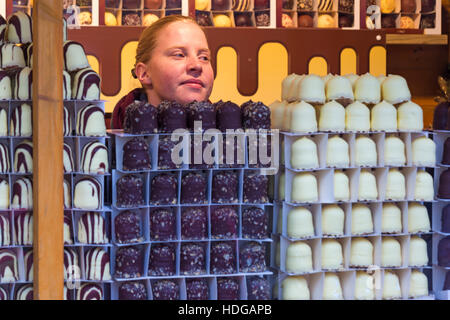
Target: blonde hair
{"x": 148, "y": 38}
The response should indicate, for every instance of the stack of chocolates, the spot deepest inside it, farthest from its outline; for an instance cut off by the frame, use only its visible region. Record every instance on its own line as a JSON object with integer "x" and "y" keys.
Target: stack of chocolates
{"x": 234, "y": 13}
{"x": 320, "y": 14}
{"x": 139, "y": 12}
{"x": 355, "y": 189}
{"x": 189, "y": 222}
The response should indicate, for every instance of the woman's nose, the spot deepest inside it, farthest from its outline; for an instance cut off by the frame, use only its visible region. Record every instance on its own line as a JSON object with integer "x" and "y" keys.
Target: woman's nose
{"x": 194, "y": 64}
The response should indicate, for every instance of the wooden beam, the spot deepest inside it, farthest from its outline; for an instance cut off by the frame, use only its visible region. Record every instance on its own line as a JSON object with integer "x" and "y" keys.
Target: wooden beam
{"x": 48, "y": 150}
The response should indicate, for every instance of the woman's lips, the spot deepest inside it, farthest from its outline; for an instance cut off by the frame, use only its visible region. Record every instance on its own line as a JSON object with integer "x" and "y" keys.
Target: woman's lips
{"x": 193, "y": 83}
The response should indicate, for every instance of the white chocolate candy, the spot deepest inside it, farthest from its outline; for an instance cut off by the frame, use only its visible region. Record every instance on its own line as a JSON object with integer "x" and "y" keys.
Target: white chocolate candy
{"x": 303, "y": 117}
{"x": 418, "y": 219}
{"x": 361, "y": 219}
{"x": 19, "y": 28}
{"x": 332, "y": 117}
{"x": 332, "y": 256}
{"x": 333, "y": 218}
{"x": 391, "y": 218}
{"x": 391, "y": 252}
{"x": 365, "y": 152}
{"x": 338, "y": 87}
{"x": 312, "y": 89}
{"x": 9, "y": 270}
{"x": 361, "y": 252}
{"x": 424, "y": 187}
{"x": 410, "y": 117}
{"x": 357, "y": 117}
{"x": 91, "y": 121}
{"x": 367, "y": 186}
{"x": 277, "y": 114}
{"x": 299, "y": 257}
{"x": 74, "y": 56}
{"x": 94, "y": 158}
{"x": 294, "y": 90}
{"x": 381, "y": 78}
{"x": 23, "y": 84}
{"x": 300, "y": 223}
{"x": 23, "y": 157}
{"x": 418, "y": 255}
{"x": 86, "y": 85}
{"x": 395, "y": 89}
{"x": 97, "y": 265}
{"x": 353, "y": 78}
{"x": 304, "y": 188}
{"x": 11, "y": 56}
{"x": 395, "y": 185}
{"x": 295, "y": 288}
{"x": 5, "y": 86}
{"x": 367, "y": 89}
{"x": 332, "y": 289}
{"x": 4, "y": 194}
{"x": 341, "y": 186}
{"x": 87, "y": 194}
{"x": 418, "y": 284}
{"x": 3, "y": 122}
{"x": 394, "y": 151}
{"x": 327, "y": 78}
{"x": 423, "y": 152}
{"x": 21, "y": 121}
{"x": 383, "y": 117}
{"x": 364, "y": 286}
{"x": 337, "y": 152}
{"x": 92, "y": 228}
{"x": 286, "y": 85}
{"x": 391, "y": 286}
{"x": 304, "y": 154}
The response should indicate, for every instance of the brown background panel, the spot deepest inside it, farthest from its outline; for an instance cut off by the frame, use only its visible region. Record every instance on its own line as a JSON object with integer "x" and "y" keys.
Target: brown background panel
{"x": 301, "y": 46}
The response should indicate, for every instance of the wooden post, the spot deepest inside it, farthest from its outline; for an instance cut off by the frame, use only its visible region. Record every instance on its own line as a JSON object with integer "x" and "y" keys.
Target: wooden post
{"x": 48, "y": 141}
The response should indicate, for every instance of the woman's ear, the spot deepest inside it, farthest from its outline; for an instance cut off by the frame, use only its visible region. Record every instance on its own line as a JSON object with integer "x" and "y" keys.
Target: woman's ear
{"x": 142, "y": 74}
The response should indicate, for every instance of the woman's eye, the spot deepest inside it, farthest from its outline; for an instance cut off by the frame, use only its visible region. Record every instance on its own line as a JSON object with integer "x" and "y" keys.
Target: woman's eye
{"x": 179, "y": 54}
{"x": 204, "y": 58}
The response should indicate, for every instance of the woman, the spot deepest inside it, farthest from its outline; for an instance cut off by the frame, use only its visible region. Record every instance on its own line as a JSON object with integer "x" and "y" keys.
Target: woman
{"x": 172, "y": 63}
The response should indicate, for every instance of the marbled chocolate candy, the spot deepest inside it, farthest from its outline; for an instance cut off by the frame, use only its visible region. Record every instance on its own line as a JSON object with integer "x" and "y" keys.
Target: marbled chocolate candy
{"x": 255, "y": 223}
{"x": 224, "y": 223}
{"x": 130, "y": 191}
{"x": 225, "y": 187}
{"x": 165, "y": 290}
{"x": 162, "y": 260}
{"x": 165, "y": 148}
{"x": 8, "y": 266}
{"x": 194, "y": 223}
{"x": 97, "y": 266}
{"x": 192, "y": 259}
{"x": 162, "y": 224}
{"x": 256, "y": 188}
{"x": 193, "y": 188}
{"x": 128, "y": 227}
{"x": 223, "y": 258}
{"x": 129, "y": 262}
{"x": 164, "y": 189}
{"x": 90, "y": 291}
{"x": 136, "y": 155}
{"x": 252, "y": 258}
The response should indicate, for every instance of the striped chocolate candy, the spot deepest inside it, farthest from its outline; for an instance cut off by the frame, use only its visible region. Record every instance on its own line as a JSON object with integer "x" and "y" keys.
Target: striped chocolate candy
{"x": 94, "y": 158}
{"x": 241, "y": 5}
{"x": 5, "y": 86}
{"x": 72, "y": 269}
{"x": 22, "y": 194}
{"x": 92, "y": 228}
{"x": 4, "y": 194}
{"x": 97, "y": 265}
{"x": 325, "y": 5}
{"x": 85, "y": 85}
{"x": 4, "y": 295}
{"x": 11, "y": 56}
{"x": 8, "y": 266}
{"x": 2, "y": 31}
{"x": 67, "y": 125}
{"x": 67, "y": 195}
{"x": 23, "y": 157}
{"x": 67, "y": 86}
{"x": 5, "y": 230}
{"x": 68, "y": 232}
{"x": 21, "y": 121}
{"x": 23, "y": 84}
{"x": 19, "y": 28}
{"x": 28, "y": 261}
{"x": 90, "y": 291}
{"x": 74, "y": 56}
{"x": 4, "y": 158}
{"x": 91, "y": 121}
{"x": 24, "y": 293}
{"x": 87, "y": 194}
{"x": 23, "y": 228}
{"x": 68, "y": 158}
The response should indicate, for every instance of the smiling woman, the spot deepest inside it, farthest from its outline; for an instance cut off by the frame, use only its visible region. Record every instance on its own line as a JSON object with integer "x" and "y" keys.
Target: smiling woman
{"x": 172, "y": 63}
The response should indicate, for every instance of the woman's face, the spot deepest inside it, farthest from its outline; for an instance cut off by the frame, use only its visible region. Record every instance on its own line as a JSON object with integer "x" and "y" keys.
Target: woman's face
{"x": 179, "y": 68}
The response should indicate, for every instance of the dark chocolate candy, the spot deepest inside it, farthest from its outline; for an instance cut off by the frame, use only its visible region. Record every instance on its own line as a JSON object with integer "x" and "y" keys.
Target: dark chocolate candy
{"x": 408, "y": 6}
{"x": 447, "y": 281}
{"x": 162, "y": 224}
{"x": 164, "y": 189}
{"x": 345, "y": 21}
{"x": 224, "y": 223}
{"x": 128, "y": 227}
{"x": 258, "y": 289}
{"x": 225, "y": 187}
{"x": 446, "y": 152}
{"x": 305, "y": 5}
{"x": 428, "y": 22}
{"x": 171, "y": 116}
{"x": 171, "y": 4}
{"x": 228, "y": 115}
{"x": 131, "y": 4}
{"x": 131, "y": 19}
{"x": 428, "y": 5}
{"x": 129, "y": 262}
{"x": 261, "y": 4}
{"x": 203, "y": 19}
{"x": 255, "y": 115}
{"x": 162, "y": 260}
{"x": 388, "y": 21}
{"x": 234, "y": 157}
{"x": 444, "y": 252}
{"x": 227, "y": 289}
{"x": 140, "y": 118}
{"x": 255, "y": 223}
{"x": 445, "y": 219}
{"x": 262, "y": 19}
{"x": 440, "y": 116}
{"x": 242, "y": 20}
{"x": 203, "y": 112}
{"x": 130, "y": 191}
{"x": 136, "y": 155}
{"x": 252, "y": 258}
{"x": 288, "y": 4}
{"x": 192, "y": 259}
{"x": 255, "y": 188}
{"x": 132, "y": 291}
{"x": 220, "y": 5}
{"x": 194, "y": 223}
{"x": 444, "y": 185}
{"x": 165, "y": 148}
{"x": 197, "y": 289}
{"x": 305, "y": 21}
{"x": 346, "y": 6}
{"x": 193, "y": 188}
{"x": 165, "y": 290}
{"x": 223, "y": 258}
{"x": 198, "y": 153}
